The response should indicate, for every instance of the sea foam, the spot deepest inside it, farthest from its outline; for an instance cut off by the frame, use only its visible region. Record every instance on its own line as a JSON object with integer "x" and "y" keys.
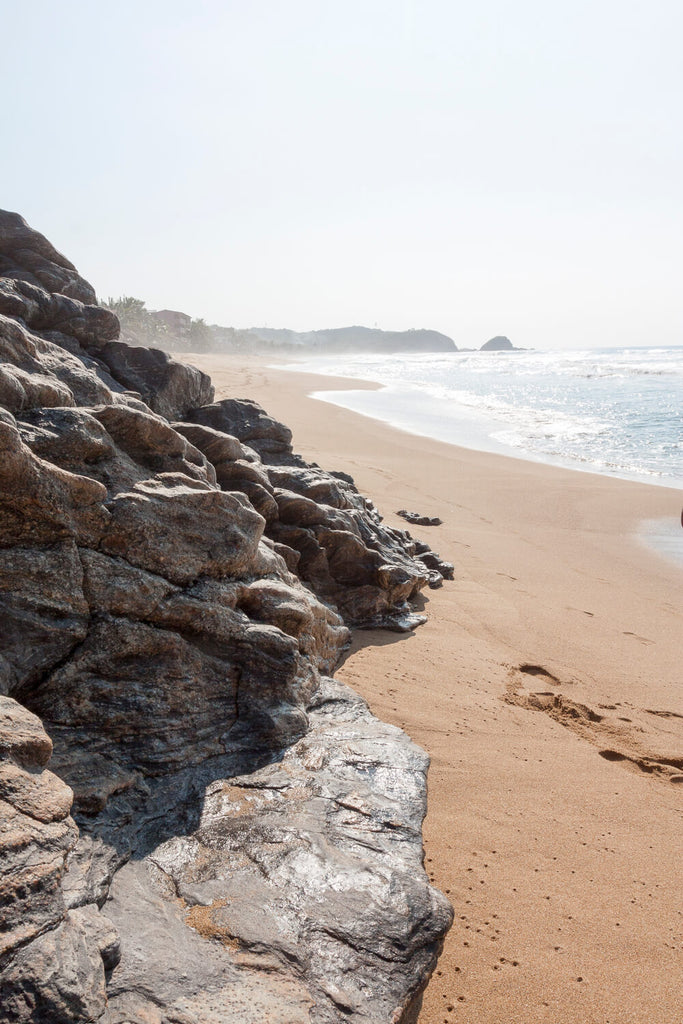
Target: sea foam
{"x": 613, "y": 411}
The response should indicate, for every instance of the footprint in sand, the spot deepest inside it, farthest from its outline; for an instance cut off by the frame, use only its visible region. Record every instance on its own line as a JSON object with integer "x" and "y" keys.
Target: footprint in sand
{"x": 663, "y": 767}
{"x": 594, "y": 727}
{"x": 643, "y": 639}
{"x": 538, "y": 670}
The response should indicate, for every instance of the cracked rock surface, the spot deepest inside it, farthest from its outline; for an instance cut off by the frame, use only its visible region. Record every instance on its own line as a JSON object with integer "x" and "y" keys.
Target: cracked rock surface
{"x": 244, "y": 841}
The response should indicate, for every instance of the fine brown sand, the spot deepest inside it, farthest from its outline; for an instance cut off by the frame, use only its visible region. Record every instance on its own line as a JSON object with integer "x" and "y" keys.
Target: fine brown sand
{"x": 546, "y": 688}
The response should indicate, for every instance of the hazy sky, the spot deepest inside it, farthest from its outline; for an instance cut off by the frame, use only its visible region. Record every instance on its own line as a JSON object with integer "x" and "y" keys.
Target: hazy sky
{"x": 481, "y": 168}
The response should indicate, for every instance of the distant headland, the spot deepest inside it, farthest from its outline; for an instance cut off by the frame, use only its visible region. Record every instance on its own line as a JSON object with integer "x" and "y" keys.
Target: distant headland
{"x": 176, "y": 331}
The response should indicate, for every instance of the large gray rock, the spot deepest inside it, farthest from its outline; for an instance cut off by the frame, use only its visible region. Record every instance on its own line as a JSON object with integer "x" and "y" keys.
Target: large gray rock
{"x": 26, "y": 255}
{"x": 299, "y": 893}
{"x": 249, "y": 422}
{"x": 35, "y": 372}
{"x": 251, "y": 830}
{"x": 41, "y": 503}
{"x": 170, "y": 388}
{"x": 42, "y": 311}
{"x": 183, "y": 530}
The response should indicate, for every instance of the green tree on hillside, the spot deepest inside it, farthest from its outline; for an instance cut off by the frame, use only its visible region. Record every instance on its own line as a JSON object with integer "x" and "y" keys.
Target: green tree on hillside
{"x": 201, "y": 336}
{"x": 136, "y": 319}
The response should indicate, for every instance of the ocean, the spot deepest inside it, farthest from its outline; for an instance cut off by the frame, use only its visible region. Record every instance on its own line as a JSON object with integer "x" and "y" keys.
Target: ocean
{"x": 617, "y": 411}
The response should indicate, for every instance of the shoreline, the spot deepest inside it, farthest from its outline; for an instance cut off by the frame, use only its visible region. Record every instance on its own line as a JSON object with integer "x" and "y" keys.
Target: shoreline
{"x": 410, "y": 411}
{"x": 482, "y": 441}
{"x": 663, "y": 535}
{"x": 556, "y": 642}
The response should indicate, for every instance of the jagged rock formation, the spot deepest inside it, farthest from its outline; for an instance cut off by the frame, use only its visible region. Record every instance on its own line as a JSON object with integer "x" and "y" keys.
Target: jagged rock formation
{"x": 328, "y": 533}
{"x": 245, "y": 841}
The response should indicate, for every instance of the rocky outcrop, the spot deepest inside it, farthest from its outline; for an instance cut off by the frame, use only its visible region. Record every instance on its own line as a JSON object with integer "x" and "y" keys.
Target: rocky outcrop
{"x": 417, "y": 519}
{"x": 245, "y": 837}
{"x": 498, "y": 344}
{"x": 328, "y": 533}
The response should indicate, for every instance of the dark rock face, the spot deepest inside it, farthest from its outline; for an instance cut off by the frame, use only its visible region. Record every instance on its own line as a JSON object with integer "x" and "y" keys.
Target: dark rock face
{"x": 251, "y": 830}
{"x": 249, "y": 423}
{"x": 169, "y": 388}
{"x": 498, "y": 344}
{"x": 338, "y": 544}
{"x": 53, "y": 958}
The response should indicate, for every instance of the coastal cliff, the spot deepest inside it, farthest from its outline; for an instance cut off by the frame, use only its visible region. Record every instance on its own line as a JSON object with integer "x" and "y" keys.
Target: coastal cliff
{"x": 356, "y": 339}
{"x": 225, "y": 833}
{"x": 175, "y": 331}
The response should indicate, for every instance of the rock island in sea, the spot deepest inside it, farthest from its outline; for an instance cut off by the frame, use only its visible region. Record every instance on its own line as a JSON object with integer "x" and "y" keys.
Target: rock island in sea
{"x": 200, "y": 825}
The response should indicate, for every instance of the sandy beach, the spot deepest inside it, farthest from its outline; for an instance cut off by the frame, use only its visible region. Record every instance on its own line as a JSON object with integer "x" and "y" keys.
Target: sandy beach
{"x": 546, "y": 686}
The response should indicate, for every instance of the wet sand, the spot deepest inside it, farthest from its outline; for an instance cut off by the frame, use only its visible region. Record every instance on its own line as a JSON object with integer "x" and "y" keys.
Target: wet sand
{"x": 546, "y": 686}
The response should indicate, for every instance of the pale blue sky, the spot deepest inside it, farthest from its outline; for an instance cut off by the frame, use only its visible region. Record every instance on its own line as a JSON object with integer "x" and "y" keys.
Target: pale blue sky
{"x": 478, "y": 168}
